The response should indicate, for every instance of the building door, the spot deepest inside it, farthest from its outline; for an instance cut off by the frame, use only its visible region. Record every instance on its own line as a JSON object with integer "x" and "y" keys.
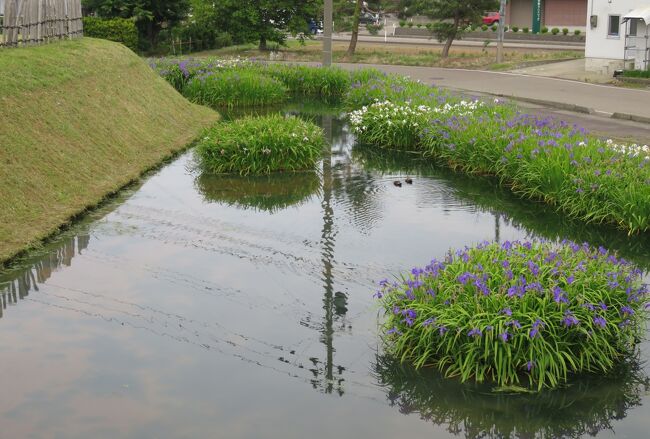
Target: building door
{"x": 521, "y": 13}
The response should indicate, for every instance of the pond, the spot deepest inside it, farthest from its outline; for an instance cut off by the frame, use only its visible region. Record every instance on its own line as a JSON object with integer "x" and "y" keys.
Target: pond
{"x": 241, "y": 307}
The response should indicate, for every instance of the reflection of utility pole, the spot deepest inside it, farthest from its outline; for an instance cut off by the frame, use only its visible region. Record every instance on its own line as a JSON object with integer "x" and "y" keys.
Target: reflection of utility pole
{"x": 497, "y": 227}
{"x": 327, "y": 33}
{"x": 331, "y": 303}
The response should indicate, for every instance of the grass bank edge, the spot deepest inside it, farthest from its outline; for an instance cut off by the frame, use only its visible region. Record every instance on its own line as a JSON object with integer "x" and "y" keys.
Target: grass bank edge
{"x": 84, "y": 120}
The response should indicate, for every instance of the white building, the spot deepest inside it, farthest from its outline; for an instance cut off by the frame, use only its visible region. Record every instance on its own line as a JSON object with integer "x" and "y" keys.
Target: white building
{"x": 617, "y": 35}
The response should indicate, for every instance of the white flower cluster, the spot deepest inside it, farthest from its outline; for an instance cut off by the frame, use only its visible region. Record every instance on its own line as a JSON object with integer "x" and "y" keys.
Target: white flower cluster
{"x": 387, "y": 113}
{"x": 632, "y": 150}
{"x": 462, "y": 108}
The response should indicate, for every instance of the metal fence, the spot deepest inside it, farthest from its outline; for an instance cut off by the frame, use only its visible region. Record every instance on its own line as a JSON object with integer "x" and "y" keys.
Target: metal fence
{"x": 28, "y": 22}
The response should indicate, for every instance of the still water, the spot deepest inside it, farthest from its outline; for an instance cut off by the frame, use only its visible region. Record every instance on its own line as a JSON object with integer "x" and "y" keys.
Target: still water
{"x": 233, "y": 307}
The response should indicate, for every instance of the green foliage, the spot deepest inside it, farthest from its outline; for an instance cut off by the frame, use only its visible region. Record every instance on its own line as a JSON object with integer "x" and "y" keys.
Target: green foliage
{"x": 374, "y": 29}
{"x": 577, "y": 32}
{"x": 516, "y": 313}
{"x": 389, "y": 125}
{"x": 410, "y": 24}
{"x": 565, "y": 31}
{"x": 637, "y": 73}
{"x": 379, "y": 88}
{"x": 237, "y": 87}
{"x": 260, "y": 145}
{"x": 556, "y": 31}
{"x": 525, "y": 30}
{"x": 120, "y": 30}
{"x": 544, "y": 30}
{"x": 494, "y": 27}
{"x": 149, "y": 15}
{"x": 402, "y": 23}
{"x": 587, "y": 178}
{"x": 328, "y": 83}
{"x": 515, "y": 29}
{"x": 484, "y": 27}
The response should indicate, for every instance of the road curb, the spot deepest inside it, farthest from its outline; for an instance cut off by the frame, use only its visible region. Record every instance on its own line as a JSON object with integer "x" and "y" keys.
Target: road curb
{"x": 632, "y": 117}
{"x": 553, "y": 104}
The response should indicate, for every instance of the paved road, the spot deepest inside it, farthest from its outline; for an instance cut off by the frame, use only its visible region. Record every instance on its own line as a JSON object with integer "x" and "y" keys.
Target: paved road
{"x": 602, "y": 99}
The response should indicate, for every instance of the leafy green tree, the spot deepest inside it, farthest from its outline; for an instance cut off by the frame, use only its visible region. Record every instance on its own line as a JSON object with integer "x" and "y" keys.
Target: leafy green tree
{"x": 149, "y": 15}
{"x": 453, "y": 16}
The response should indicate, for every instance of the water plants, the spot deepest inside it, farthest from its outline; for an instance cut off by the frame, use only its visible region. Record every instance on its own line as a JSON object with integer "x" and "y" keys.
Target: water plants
{"x": 236, "y": 87}
{"x": 517, "y": 313}
{"x": 260, "y": 145}
{"x": 389, "y": 125}
{"x": 327, "y": 83}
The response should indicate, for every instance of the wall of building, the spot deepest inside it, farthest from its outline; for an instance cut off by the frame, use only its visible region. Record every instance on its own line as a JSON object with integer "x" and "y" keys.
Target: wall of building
{"x": 602, "y": 51}
{"x": 520, "y": 13}
{"x": 565, "y": 13}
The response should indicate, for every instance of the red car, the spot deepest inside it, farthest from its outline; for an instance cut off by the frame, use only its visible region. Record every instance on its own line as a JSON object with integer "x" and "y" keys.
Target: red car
{"x": 491, "y": 18}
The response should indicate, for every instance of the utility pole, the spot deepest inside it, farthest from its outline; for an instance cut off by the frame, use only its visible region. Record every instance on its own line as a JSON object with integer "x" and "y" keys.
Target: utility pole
{"x": 327, "y": 33}
{"x": 502, "y": 23}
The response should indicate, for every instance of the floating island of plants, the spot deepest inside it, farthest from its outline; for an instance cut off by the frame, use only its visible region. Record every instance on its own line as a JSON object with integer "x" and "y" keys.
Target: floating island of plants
{"x": 520, "y": 314}
{"x": 261, "y": 145}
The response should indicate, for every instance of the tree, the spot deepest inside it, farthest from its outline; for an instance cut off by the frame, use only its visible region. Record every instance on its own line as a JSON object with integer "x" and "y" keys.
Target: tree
{"x": 453, "y": 15}
{"x": 149, "y": 15}
{"x": 355, "y": 29}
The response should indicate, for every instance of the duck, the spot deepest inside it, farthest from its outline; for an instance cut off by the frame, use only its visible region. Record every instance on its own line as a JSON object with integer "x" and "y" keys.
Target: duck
{"x": 408, "y": 180}
{"x": 397, "y": 183}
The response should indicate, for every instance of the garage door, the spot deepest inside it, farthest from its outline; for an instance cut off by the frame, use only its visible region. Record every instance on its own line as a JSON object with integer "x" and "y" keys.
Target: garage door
{"x": 565, "y": 13}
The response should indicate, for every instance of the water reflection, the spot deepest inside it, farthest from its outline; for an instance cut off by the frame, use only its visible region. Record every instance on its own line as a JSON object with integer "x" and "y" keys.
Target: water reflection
{"x": 17, "y": 284}
{"x": 537, "y": 219}
{"x": 585, "y": 407}
{"x": 263, "y": 193}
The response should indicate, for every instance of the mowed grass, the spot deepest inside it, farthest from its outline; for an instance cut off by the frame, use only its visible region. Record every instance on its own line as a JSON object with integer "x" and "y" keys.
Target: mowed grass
{"x": 399, "y": 54}
{"x": 80, "y": 119}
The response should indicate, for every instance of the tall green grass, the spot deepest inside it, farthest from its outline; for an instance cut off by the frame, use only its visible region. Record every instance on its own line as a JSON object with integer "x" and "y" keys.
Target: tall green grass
{"x": 260, "y": 145}
{"x": 230, "y": 88}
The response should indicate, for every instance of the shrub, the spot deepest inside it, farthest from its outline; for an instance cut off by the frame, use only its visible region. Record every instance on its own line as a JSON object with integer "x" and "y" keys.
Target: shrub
{"x": 402, "y": 23}
{"x": 577, "y": 32}
{"x": 374, "y": 29}
{"x": 120, "y": 30}
{"x": 484, "y": 27}
{"x": 565, "y": 31}
{"x": 419, "y": 25}
{"x": 505, "y": 28}
{"x": 392, "y": 88}
{"x": 260, "y": 145}
{"x": 515, "y": 29}
{"x": 637, "y": 73}
{"x": 429, "y": 26}
{"x": 389, "y": 125}
{"x": 516, "y": 312}
{"x": 494, "y": 28}
{"x": 544, "y": 30}
{"x": 230, "y": 88}
{"x": 525, "y": 30}
{"x": 555, "y": 31}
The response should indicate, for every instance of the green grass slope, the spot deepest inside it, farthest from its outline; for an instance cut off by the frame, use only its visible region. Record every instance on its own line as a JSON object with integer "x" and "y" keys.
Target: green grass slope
{"x": 79, "y": 120}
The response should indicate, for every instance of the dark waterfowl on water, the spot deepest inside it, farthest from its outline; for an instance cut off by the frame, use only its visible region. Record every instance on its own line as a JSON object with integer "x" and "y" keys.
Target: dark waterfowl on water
{"x": 408, "y": 180}
{"x": 397, "y": 183}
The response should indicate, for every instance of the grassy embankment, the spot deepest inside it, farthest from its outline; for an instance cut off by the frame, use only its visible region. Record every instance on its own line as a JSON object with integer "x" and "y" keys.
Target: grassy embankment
{"x": 80, "y": 119}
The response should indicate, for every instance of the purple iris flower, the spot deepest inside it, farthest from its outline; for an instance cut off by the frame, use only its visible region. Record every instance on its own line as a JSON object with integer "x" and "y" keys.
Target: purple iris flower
{"x": 626, "y": 310}
{"x": 570, "y": 320}
{"x": 600, "y": 321}
{"x": 504, "y": 336}
{"x": 530, "y": 365}
{"x": 506, "y": 311}
{"x": 475, "y": 332}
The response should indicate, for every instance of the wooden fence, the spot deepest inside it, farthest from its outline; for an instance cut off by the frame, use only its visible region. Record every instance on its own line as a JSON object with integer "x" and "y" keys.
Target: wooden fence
{"x": 27, "y": 22}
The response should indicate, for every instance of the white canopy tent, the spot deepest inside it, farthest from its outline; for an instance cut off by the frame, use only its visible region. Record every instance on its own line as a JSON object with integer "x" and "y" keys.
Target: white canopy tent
{"x": 637, "y": 38}
{"x": 642, "y": 13}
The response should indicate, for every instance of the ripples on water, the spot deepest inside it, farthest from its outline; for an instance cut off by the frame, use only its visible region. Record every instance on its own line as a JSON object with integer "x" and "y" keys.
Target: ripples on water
{"x": 203, "y": 305}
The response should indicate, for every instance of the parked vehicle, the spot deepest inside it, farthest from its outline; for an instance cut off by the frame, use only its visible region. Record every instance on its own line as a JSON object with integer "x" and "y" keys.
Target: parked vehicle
{"x": 315, "y": 27}
{"x": 491, "y": 18}
{"x": 368, "y": 18}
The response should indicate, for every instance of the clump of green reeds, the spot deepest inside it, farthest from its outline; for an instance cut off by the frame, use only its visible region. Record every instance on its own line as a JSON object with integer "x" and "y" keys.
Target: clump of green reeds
{"x": 237, "y": 87}
{"x": 517, "y": 313}
{"x": 260, "y": 145}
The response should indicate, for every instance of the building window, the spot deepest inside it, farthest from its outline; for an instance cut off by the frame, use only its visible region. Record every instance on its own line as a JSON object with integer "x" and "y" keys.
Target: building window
{"x": 613, "y": 30}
